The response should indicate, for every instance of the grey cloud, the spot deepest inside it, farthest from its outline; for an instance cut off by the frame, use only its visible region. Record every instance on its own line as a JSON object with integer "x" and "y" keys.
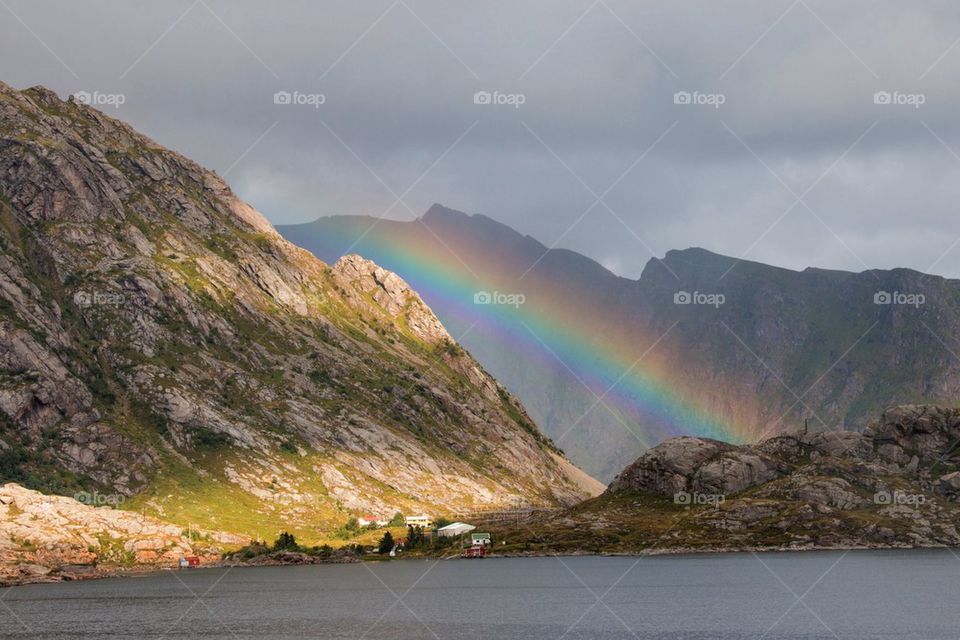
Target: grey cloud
{"x": 598, "y": 97}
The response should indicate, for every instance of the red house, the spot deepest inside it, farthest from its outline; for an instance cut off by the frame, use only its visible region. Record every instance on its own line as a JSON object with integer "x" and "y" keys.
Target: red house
{"x": 189, "y": 562}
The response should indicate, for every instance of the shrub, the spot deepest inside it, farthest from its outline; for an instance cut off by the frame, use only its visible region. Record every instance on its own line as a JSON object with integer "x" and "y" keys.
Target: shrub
{"x": 286, "y": 542}
{"x": 386, "y": 543}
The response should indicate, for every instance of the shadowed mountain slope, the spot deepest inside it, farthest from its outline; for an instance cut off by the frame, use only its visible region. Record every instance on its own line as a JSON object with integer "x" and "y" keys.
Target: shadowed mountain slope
{"x": 701, "y": 344}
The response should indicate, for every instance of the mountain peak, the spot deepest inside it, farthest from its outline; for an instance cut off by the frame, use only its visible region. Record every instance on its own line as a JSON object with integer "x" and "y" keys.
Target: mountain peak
{"x": 439, "y": 212}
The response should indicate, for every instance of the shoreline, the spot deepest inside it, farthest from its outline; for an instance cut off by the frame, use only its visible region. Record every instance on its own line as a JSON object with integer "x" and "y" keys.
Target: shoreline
{"x": 695, "y": 551}
{"x": 145, "y": 570}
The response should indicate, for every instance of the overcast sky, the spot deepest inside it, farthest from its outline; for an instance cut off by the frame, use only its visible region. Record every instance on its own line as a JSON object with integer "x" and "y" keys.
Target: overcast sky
{"x": 796, "y": 167}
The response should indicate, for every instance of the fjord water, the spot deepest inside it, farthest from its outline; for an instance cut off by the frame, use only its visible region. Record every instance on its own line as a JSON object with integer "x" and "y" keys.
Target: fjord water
{"x": 778, "y": 596}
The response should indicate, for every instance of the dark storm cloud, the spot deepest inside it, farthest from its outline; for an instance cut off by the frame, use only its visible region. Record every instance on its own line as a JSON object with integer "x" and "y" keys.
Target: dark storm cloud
{"x": 597, "y": 80}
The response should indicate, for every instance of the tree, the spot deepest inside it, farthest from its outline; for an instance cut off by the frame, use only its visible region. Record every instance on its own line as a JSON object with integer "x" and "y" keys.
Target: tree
{"x": 415, "y": 536}
{"x": 286, "y": 542}
{"x": 386, "y": 543}
{"x": 397, "y": 520}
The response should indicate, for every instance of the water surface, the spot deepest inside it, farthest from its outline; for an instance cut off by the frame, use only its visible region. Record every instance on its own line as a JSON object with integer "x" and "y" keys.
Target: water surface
{"x": 777, "y": 596}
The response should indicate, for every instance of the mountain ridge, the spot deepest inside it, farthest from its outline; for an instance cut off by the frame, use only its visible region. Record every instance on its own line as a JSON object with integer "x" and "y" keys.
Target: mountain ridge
{"x": 162, "y": 341}
{"x": 735, "y": 370}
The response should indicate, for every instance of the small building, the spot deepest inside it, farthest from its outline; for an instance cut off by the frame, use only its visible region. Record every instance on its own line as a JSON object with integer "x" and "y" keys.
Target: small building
{"x": 476, "y": 551}
{"x": 455, "y": 529}
{"x": 369, "y": 520}
{"x": 424, "y": 521}
{"x": 480, "y": 538}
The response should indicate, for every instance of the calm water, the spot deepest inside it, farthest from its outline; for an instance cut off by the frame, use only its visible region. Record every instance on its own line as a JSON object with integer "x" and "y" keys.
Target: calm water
{"x": 718, "y": 597}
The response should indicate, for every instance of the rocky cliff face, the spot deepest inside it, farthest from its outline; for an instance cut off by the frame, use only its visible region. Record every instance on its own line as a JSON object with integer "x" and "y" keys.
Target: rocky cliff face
{"x": 846, "y": 344}
{"x": 895, "y": 484}
{"x": 159, "y": 340}
{"x": 41, "y": 536}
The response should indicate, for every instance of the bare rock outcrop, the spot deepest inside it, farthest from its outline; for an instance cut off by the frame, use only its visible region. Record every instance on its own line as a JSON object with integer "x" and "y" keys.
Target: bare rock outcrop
{"x": 40, "y": 534}
{"x": 895, "y": 484}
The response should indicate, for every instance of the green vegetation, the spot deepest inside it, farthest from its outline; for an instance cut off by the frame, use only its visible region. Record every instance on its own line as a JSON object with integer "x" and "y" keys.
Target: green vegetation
{"x": 386, "y": 544}
{"x": 222, "y": 245}
{"x": 32, "y": 464}
{"x": 112, "y": 551}
{"x": 203, "y": 438}
{"x": 348, "y": 530}
{"x": 286, "y": 542}
{"x": 447, "y": 347}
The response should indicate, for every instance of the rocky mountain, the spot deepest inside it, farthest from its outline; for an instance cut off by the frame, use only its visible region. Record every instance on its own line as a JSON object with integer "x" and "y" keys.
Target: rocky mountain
{"x": 701, "y": 344}
{"x": 55, "y": 537}
{"x": 159, "y": 341}
{"x": 895, "y": 484}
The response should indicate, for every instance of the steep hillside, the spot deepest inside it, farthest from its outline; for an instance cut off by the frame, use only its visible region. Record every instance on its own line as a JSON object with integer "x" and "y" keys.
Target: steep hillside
{"x": 612, "y": 366}
{"x": 897, "y": 484}
{"x": 160, "y": 341}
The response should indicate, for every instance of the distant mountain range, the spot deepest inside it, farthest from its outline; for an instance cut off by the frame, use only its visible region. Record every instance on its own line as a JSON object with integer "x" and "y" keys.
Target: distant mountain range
{"x": 701, "y": 344}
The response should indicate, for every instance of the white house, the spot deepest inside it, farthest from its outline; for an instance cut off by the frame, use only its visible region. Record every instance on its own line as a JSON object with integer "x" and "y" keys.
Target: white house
{"x": 367, "y": 520}
{"x": 480, "y": 538}
{"x": 455, "y": 529}
{"x": 423, "y": 521}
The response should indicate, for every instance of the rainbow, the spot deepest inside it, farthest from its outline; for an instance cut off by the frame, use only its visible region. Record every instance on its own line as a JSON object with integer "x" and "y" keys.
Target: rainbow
{"x": 627, "y": 374}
